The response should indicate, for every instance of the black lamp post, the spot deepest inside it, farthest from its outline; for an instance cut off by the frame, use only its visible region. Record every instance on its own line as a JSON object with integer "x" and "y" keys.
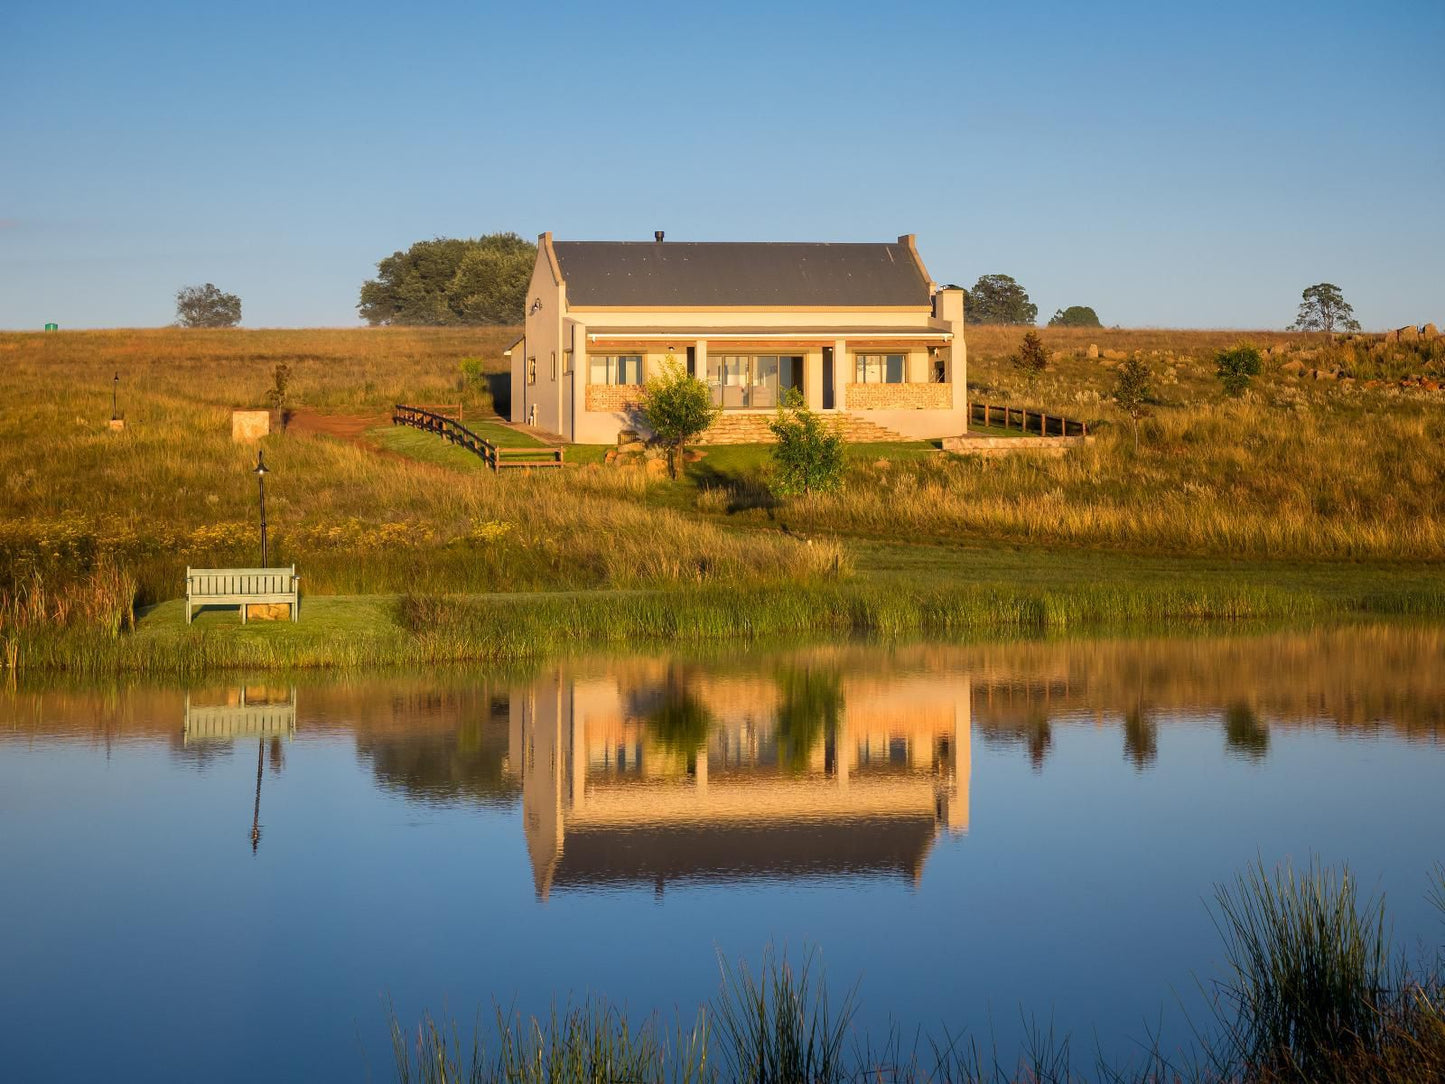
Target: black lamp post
{"x": 261, "y": 471}
{"x": 115, "y": 398}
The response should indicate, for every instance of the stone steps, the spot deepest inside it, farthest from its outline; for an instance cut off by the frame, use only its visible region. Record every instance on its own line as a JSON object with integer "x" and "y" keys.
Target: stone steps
{"x": 753, "y": 429}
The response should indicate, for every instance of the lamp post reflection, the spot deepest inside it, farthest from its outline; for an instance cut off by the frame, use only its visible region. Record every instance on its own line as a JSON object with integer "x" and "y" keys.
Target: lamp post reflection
{"x": 240, "y": 713}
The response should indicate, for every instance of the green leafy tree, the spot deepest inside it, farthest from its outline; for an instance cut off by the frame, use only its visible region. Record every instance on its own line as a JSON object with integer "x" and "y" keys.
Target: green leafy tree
{"x": 677, "y": 407}
{"x": 451, "y": 281}
{"x": 1237, "y": 368}
{"x": 1075, "y": 316}
{"x": 1324, "y": 308}
{"x": 998, "y": 299}
{"x": 1030, "y": 359}
{"x": 808, "y": 456}
{"x": 207, "y": 306}
{"x": 1132, "y": 392}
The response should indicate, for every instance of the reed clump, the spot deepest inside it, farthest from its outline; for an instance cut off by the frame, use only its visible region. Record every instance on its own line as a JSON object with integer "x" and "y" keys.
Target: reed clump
{"x": 1315, "y": 996}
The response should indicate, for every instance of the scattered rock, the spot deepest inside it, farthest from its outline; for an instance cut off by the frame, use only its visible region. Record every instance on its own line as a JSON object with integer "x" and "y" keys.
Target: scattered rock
{"x": 1429, "y": 331}
{"x": 1408, "y": 334}
{"x": 657, "y": 468}
{"x": 1430, "y": 385}
{"x": 610, "y": 456}
{"x": 1115, "y": 355}
{"x": 1295, "y": 366}
{"x": 1392, "y": 336}
{"x": 1093, "y": 352}
{"x": 631, "y": 446}
{"x": 1279, "y": 348}
{"x": 1324, "y": 374}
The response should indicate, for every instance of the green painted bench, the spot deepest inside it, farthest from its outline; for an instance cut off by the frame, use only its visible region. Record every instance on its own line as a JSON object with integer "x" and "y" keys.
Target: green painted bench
{"x": 241, "y": 587}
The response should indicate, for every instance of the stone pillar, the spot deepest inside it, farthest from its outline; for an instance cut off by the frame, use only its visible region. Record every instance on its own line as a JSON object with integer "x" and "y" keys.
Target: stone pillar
{"x": 948, "y": 310}
{"x": 916, "y": 367}
{"x": 842, "y": 374}
{"x": 813, "y": 378}
{"x": 699, "y": 360}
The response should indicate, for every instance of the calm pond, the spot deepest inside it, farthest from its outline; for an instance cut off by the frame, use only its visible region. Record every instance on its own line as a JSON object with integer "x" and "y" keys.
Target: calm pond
{"x": 231, "y": 881}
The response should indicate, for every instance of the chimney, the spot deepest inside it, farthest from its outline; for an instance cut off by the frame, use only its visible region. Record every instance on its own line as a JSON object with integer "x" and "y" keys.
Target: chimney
{"x": 657, "y": 236}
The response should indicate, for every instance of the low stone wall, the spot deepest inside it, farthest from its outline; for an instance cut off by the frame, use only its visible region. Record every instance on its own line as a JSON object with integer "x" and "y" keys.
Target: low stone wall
{"x": 613, "y": 397}
{"x": 899, "y": 397}
{"x": 991, "y": 447}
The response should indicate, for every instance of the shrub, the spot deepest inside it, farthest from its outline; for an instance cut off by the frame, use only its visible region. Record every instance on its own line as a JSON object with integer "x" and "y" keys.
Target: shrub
{"x": 808, "y": 456}
{"x": 1030, "y": 359}
{"x": 677, "y": 407}
{"x": 1236, "y": 368}
{"x": 474, "y": 380}
{"x": 1132, "y": 391}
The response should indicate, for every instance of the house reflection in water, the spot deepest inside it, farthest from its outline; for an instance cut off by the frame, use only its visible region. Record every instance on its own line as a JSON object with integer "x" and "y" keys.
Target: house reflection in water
{"x": 660, "y": 772}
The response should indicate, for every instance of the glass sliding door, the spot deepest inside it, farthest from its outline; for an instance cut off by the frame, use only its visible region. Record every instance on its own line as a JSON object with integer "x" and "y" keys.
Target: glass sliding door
{"x": 753, "y": 381}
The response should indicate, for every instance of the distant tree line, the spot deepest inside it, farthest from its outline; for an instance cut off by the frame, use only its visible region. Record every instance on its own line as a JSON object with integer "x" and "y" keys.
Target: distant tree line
{"x": 999, "y": 299}
{"x": 446, "y": 280}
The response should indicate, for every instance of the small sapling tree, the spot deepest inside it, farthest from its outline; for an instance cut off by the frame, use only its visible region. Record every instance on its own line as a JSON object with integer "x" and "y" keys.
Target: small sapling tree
{"x": 207, "y": 306}
{"x": 1132, "y": 392}
{"x": 1030, "y": 359}
{"x": 808, "y": 456}
{"x": 677, "y": 407}
{"x": 278, "y": 396}
{"x": 1237, "y": 368}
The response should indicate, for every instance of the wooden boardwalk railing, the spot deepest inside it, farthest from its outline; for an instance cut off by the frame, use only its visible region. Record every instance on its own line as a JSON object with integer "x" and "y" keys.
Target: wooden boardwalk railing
{"x": 1030, "y": 422}
{"x": 492, "y": 455}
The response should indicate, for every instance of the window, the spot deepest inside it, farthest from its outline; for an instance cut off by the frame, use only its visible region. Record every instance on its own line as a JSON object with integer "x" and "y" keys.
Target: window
{"x": 879, "y": 369}
{"x": 616, "y": 368}
{"x": 532, "y": 369}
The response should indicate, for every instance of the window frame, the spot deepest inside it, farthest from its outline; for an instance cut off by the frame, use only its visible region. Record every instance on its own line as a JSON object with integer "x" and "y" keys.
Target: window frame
{"x": 612, "y": 370}
{"x": 860, "y": 367}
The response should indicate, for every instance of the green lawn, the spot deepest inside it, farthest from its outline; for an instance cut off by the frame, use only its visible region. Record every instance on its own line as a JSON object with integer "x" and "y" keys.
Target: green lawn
{"x": 741, "y": 459}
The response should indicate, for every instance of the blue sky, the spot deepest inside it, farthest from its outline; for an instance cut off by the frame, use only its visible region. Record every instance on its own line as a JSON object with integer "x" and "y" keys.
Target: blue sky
{"x": 1172, "y": 165}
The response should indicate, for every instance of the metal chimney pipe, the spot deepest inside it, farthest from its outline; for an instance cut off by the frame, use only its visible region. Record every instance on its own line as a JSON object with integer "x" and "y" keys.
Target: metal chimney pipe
{"x": 657, "y": 236}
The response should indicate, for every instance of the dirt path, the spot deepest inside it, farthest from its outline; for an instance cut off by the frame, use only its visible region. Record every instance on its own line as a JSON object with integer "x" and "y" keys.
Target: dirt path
{"x": 348, "y": 427}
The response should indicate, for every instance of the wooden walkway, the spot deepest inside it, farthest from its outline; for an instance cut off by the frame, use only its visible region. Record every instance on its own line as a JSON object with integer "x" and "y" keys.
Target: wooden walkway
{"x": 493, "y": 455}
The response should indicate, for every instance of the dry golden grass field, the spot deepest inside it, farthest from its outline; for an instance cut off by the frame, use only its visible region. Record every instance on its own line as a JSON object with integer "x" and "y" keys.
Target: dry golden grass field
{"x": 1342, "y": 476}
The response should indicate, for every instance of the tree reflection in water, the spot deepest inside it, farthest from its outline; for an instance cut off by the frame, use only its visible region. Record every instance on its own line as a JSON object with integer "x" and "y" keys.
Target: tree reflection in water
{"x": 810, "y": 705}
{"x": 1244, "y": 732}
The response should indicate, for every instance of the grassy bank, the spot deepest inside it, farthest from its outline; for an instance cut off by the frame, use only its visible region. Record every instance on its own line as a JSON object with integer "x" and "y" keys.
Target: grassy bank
{"x": 992, "y": 595}
{"x": 1330, "y": 491}
{"x": 1314, "y": 993}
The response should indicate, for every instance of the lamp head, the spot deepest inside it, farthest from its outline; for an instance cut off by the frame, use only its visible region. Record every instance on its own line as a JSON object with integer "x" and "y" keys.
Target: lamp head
{"x": 261, "y": 467}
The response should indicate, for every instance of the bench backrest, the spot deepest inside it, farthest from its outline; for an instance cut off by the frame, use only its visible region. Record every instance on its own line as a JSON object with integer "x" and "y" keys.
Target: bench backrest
{"x": 241, "y": 581}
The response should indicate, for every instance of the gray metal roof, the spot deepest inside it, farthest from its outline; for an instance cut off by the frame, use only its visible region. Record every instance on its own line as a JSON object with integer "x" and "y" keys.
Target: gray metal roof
{"x": 739, "y": 273}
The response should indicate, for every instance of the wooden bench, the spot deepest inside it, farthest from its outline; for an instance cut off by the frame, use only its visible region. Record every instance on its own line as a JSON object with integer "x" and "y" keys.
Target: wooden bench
{"x": 241, "y": 587}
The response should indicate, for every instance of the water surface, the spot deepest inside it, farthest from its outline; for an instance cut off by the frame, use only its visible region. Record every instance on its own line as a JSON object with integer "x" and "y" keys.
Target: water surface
{"x": 231, "y": 880}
